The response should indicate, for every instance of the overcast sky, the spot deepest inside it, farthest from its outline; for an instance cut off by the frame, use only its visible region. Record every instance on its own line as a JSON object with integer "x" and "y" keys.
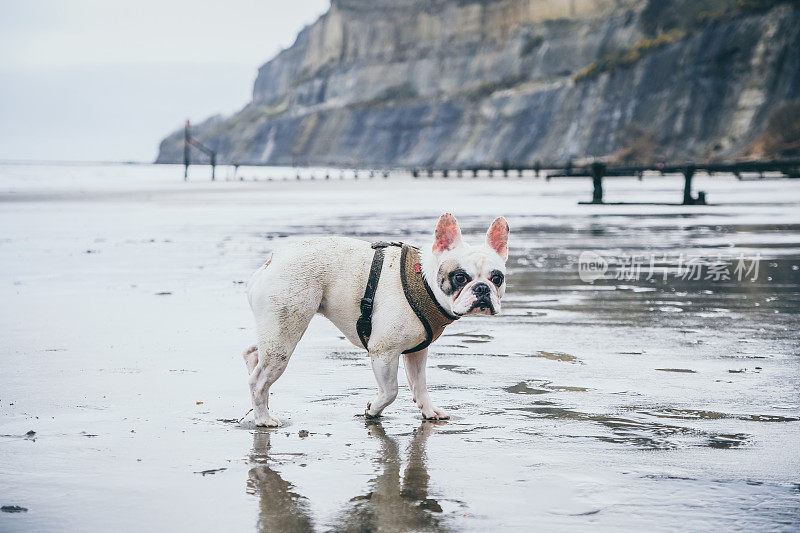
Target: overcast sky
{"x": 90, "y": 80}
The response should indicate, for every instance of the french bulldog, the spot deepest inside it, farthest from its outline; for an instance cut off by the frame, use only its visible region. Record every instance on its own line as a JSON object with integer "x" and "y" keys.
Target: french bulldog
{"x": 328, "y": 275}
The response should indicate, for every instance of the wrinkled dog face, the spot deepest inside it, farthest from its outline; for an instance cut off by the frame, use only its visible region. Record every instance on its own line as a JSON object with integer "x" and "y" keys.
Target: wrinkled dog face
{"x": 472, "y": 278}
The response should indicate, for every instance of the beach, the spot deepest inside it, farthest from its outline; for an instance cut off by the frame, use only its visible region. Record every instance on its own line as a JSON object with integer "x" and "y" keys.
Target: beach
{"x": 643, "y": 399}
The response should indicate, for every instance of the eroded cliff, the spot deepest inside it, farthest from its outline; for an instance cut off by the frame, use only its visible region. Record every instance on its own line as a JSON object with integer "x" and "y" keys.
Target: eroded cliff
{"x": 461, "y": 82}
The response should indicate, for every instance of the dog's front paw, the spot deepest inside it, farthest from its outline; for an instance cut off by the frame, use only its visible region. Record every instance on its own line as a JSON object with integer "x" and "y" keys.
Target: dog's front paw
{"x": 434, "y": 413}
{"x": 369, "y": 413}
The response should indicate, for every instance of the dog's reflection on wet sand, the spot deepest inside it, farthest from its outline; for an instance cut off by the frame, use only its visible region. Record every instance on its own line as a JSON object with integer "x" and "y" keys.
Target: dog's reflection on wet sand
{"x": 392, "y": 503}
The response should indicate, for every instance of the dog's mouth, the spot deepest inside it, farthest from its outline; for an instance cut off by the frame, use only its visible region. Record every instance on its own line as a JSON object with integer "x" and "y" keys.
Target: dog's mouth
{"x": 483, "y": 305}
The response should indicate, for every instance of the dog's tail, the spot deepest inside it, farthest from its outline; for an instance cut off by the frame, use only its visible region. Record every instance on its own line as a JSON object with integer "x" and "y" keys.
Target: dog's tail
{"x": 250, "y": 356}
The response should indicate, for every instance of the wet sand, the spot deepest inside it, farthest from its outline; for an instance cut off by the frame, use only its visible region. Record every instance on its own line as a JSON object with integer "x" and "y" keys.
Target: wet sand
{"x": 625, "y": 404}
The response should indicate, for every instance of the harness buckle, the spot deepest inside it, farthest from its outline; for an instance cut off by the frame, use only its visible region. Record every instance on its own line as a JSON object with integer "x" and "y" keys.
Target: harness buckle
{"x": 366, "y": 306}
{"x": 364, "y": 327}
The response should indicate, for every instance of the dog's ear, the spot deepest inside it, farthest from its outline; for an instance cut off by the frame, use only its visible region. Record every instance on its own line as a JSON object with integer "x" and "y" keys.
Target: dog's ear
{"x": 447, "y": 235}
{"x": 497, "y": 237}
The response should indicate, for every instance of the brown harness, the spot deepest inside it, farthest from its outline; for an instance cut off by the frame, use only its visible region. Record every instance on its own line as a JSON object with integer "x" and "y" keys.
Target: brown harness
{"x": 418, "y": 293}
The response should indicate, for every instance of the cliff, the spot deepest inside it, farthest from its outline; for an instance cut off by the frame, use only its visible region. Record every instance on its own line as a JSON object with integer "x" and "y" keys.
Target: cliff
{"x": 459, "y": 82}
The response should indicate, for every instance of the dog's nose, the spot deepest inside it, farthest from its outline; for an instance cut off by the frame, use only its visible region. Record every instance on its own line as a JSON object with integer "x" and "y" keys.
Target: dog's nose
{"x": 480, "y": 289}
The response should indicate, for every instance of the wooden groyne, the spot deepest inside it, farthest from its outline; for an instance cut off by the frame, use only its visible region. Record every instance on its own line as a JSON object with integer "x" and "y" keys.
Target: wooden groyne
{"x": 188, "y": 143}
{"x": 596, "y": 171}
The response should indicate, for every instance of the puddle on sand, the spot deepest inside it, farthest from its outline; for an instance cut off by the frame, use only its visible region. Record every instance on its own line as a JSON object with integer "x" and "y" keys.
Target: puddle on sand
{"x": 643, "y": 434}
{"x": 465, "y": 430}
{"x": 770, "y": 418}
{"x": 478, "y": 337}
{"x": 692, "y": 414}
{"x": 470, "y": 338}
{"x": 686, "y": 414}
{"x": 523, "y": 388}
{"x": 727, "y": 441}
{"x": 458, "y": 369}
{"x": 329, "y": 398}
{"x": 554, "y": 356}
{"x": 568, "y": 388}
{"x": 544, "y": 388}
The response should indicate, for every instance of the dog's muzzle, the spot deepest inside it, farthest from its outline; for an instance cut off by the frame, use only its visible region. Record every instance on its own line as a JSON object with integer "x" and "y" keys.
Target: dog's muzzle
{"x": 483, "y": 302}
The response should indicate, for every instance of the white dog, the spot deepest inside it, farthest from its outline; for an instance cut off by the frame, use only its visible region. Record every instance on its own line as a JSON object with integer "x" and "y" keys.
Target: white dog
{"x": 408, "y": 298}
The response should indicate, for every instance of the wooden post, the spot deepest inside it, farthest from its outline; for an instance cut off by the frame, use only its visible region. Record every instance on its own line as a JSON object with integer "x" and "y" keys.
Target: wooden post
{"x": 186, "y": 151}
{"x": 688, "y": 173}
{"x": 188, "y": 142}
{"x": 598, "y": 171}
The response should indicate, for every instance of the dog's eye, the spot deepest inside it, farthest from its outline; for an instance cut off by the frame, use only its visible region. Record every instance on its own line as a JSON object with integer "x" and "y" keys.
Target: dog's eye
{"x": 460, "y": 279}
{"x": 497, "y": 279}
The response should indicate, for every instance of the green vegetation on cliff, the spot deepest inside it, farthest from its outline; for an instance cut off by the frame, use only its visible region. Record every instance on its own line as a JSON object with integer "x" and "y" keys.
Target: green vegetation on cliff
{"x": 628, "y": 57}
{"x": 668, "y": 21}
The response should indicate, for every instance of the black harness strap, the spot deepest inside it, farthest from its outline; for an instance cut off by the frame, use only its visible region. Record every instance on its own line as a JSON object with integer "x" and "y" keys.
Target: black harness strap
{"x": 364, "y": 322}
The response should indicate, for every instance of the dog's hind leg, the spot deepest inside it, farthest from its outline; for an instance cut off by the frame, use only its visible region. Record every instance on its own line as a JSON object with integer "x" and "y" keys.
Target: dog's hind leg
{"x": 250, "y": 356}
{"x": 280, "y": 328}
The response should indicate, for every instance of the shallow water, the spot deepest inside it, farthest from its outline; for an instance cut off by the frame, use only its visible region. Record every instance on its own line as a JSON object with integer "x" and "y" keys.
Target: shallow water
{"x": 628, "y": 404}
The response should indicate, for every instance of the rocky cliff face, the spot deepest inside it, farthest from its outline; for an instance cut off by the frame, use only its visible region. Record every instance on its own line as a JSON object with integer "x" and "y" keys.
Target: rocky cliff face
{"x": 461, "y": 82}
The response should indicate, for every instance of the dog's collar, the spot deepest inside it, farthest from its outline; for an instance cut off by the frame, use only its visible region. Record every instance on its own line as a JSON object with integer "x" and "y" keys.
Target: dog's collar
{"x": 420, "y": 296}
